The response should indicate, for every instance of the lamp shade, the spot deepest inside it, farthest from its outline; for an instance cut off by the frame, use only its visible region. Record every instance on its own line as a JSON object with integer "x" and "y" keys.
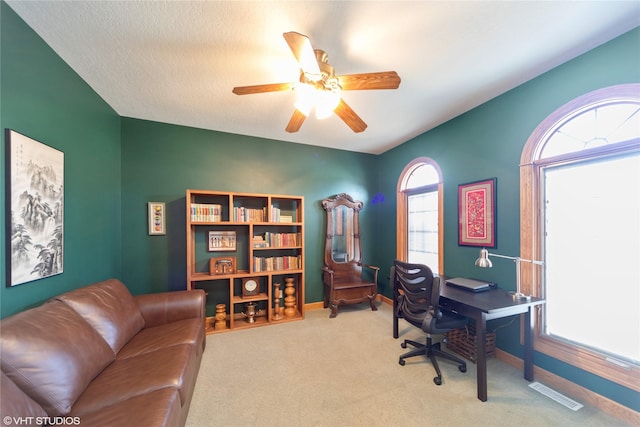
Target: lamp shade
{"x": 312, "y": 98}
{"x": 484, "y": 261}
{"x": 306, "y": 98}
{"x": 326, "y": 102}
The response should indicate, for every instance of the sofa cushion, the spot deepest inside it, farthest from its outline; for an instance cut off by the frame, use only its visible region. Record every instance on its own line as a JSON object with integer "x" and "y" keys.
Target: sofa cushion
{"x": 174, "y": 367}
{"x": 159, "y": 408}
{"x": 16, "y": 404}
{"x": 52, "y": 354}
{"x": 110, "y": 308}
{"x": 189, "y": 331}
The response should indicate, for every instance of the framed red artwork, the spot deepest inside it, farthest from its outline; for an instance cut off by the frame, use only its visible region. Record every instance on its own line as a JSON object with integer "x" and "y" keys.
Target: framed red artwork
{"x": 477, "y": 213}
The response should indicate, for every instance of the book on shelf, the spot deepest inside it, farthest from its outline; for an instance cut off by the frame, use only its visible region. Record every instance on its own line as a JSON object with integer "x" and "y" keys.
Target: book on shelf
{"x": 242, "y": 214}
{"x": 203, "y": 212}
{"x": 279, "y": 263}
{"x": 259, "y": 242}
{"x": 280, "y": 240}
{"x": 274, "y": 213}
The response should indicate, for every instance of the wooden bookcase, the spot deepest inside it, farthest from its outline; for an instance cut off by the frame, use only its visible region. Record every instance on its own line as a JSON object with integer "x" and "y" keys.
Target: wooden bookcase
{"x": 258, "y": 236}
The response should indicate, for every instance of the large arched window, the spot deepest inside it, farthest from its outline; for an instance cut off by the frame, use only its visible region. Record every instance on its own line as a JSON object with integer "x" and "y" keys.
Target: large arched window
{"x": 580, "y": 214}
{"x": 419, "y": 228}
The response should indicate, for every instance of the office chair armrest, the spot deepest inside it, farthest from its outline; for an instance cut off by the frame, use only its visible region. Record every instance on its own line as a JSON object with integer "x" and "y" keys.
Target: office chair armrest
{"x": 429, "y": 322}
{"x": 397, "y": 303}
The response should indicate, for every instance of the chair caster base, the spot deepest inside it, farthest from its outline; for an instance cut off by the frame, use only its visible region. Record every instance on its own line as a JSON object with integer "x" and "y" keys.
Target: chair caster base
{"x": 401, "y": 362}
{"x": 462, "y": 368}
{"x": 437, "y": 380}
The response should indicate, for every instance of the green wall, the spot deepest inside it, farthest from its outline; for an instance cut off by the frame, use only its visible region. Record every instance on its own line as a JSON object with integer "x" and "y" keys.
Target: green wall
{"x": 487, "y": 142}
{"x": 114, "y": 166}
{"x": 160, "y": 161}
{"x": 41, "y": 97}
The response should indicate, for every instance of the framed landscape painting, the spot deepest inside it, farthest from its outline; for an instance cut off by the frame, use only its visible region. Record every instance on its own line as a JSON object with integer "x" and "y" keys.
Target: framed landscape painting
{"x": 477, "y": 213}
{"x": 35, "y": 209}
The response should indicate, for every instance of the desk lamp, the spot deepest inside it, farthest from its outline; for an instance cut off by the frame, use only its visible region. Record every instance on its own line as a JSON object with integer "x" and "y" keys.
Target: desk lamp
{"x": 484, "y": 262}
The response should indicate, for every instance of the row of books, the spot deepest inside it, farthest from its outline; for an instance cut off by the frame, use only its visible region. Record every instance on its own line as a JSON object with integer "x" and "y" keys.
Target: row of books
{"x": 242, "y": 214}
{"x": 205, "y": 212}
{"x": 277, "y": 263}
{"x": 201, "y": 212}
{"x": 276, "y": 240}
{"x": 276, "y": 215}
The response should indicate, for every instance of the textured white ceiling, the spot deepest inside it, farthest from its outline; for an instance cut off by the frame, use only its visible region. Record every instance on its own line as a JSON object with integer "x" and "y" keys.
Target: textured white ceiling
{"x": 177, "y": 61}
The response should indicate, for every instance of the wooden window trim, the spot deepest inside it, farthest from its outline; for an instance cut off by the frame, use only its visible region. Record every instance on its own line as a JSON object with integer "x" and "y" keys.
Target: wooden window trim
{"x": 531, "y": 238}
{"x": 402, "y": 204}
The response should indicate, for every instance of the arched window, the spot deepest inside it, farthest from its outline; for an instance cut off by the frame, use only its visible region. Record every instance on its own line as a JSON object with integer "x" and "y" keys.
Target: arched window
{"x": 580, "y": 214}
{"x": 419, "y": 229}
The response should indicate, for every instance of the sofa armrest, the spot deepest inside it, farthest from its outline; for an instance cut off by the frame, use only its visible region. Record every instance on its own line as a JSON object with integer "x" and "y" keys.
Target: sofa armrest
{"x": 16, "y": 403}
{"x": 166, "y": 307}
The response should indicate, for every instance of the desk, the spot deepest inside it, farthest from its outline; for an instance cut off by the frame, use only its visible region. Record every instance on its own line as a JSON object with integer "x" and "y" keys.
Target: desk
{"x": 483, "y": 306}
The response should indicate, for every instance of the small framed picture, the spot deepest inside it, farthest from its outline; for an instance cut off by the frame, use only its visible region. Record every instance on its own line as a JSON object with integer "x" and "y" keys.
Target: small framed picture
{"x": 157, "y": 219}
{"x": 220, "y": 241}
{"x": 477, "y": 213}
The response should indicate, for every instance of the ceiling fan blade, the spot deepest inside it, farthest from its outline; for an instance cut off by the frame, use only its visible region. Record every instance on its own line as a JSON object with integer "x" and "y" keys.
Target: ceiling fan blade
{"x": 271, "y": 87}
{"x": 301, "y": 47}
{"x": 364, "y": 81}
{"x": 295, "y": 122}
{"x": 350, "y": 117}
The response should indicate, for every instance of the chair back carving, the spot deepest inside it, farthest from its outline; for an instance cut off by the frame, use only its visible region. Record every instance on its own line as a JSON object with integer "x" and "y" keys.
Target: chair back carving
{"x": 342, "y": 247}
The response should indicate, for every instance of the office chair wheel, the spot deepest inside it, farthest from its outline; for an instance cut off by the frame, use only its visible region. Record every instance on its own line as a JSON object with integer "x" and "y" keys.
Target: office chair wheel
{"x": 437, "y": 380}
{"x": 403, "y": 344}
{"x": 462, "y": 368}
{"x": 401, "y": 362}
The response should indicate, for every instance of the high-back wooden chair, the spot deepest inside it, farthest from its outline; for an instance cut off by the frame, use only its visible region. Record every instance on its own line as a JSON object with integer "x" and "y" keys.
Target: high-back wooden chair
{"x": 346, "y": 279}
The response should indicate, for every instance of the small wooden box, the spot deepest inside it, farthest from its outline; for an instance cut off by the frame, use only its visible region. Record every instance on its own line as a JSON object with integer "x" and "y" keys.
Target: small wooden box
{"x": 222, "y": 265}
{"x": 463, "y": 342}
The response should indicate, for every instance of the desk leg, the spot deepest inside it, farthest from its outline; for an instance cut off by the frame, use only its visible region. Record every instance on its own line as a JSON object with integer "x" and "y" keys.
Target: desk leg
{"x": 395, "y": 325}
{"x": 528, "y": 344}
{"x": 481, "y": 357}
{"x": 395, "y": 317}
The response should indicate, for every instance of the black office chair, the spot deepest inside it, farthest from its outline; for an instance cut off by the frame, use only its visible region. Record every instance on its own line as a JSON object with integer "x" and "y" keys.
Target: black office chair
{"x": 416, "y": 299}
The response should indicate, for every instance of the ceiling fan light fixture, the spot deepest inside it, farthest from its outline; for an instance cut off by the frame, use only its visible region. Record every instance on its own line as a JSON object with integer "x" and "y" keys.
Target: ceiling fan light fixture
{"x": 326, "y": 102}
{"x": 319, "y": 89}
{"x": 305, "y": 97}
{"x": 313, "y": 97}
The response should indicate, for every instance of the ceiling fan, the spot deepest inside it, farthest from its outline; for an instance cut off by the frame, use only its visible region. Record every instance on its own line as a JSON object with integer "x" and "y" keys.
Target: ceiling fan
{"x": 319, "y": 88}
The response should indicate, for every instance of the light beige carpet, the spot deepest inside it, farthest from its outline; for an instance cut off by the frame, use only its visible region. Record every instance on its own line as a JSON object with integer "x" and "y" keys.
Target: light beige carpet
{"x": 345, "y": 372}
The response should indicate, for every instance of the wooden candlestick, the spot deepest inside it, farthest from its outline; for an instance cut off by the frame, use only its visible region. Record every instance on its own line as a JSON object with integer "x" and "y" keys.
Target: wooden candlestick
{"x": 221, "y": 316}
{"x": 277, "y": 294}
{"x": 290, "y": 299}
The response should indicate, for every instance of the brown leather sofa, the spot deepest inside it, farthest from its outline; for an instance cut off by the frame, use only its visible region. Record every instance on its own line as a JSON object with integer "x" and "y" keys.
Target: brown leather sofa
{"x": 98, "y": 356}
